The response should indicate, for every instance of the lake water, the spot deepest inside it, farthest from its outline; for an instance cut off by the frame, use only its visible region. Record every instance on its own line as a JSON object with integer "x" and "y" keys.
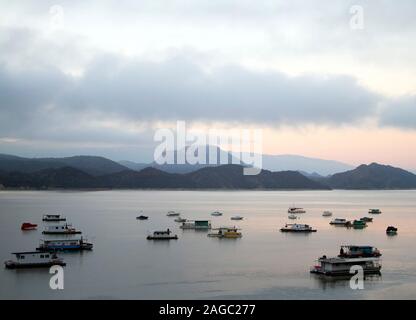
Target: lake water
{"x": 263, "y": 264}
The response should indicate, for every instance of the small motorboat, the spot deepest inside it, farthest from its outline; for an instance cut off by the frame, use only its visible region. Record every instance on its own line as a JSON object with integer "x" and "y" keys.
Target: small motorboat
{"x": 162, "y": 235}
{"x": 142, "y": 217}
{"x": 28, "y": 226}
{"x": 226, "y": 232}
{"x": 327, "y": 214}
{"x": 173, "y": 214}
{"x": 292, "y": 216}
{"x": 374, "y": 211}
{"x": 296, "y": 210}
{"x": 237, "y": 218}
{"x": 359, "y": 224}
{"x": 340, "y": 222}
{"x": 179, "y": 219}
{"x": 391, "y": 231}
{"x": 216, "y": 214}
{"x": 367, "y": 219}
{"x": 53, "y": 218}
{"x": 295, "y": 227}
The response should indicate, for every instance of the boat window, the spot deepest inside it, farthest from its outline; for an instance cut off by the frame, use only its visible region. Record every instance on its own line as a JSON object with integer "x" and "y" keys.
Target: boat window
{"x": 42, "y": 256}
{"x": 47, "y": 256}
{"x": 21, "y": 257}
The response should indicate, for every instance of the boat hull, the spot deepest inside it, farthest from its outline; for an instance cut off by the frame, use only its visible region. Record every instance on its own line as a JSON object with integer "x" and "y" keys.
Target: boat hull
{"x": 61, "y": 232}
{"x": 369, "y": 271}
{"x": 162, "y": 238}
{"x": 15, "y": 265}
{"x": 297, "y": 231}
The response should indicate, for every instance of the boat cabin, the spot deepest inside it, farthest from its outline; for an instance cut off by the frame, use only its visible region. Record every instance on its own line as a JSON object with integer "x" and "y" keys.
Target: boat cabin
{"x": 196, "y": 224}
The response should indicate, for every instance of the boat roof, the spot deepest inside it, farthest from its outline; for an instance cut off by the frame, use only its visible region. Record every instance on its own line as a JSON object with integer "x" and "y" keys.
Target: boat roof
{"x": 61, "y": 240}
{"x": 347, "y": 260}
{"x": 355, "y": 246}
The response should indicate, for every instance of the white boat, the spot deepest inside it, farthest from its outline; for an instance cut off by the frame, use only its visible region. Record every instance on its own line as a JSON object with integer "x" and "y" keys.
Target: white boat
{"x": 296, "y": 210}
{"x": 340, "y": 222}
{"x": 364, "y": 256}
{"x": 296, "y": 227}
{"x": 61, "y": 229}
{"x": 216, "y": 214}
{"x": 237, "y": 218}
{"x": 196, "y": 224}
{"x": 327, "y": 214}
{"x": 292, "y": 216}
{"x": 173, "y": 214}
{"x": 33, "y": 259}
{"x": 179, "y": 219}
{"x": 53, "y": 217}
{"x": 162, "y": 235}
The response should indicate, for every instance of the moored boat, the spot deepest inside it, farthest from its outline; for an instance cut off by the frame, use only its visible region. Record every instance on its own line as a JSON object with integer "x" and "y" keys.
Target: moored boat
{"x": 340, "y": 222}
{"x": 374, "y": 211}
{"x": 296, "y": 210}
{"x": 28, "y": 226}
{"x": 162, "y": 235}
{"x": 33, "y": 259}
{"x": 391, "y": 230}
{"x": 142, "y": 217}
{"x": 359, "y": 224}
{"x": 342, "y": 265}
{"x": 237, "y": 218}
{"x": 327, "y": 214}
{"x": 196, "y": 224}
{"x": 296, "y": 227}
{"x": 61, "y": 229}
{"x": 53, "y": 217}
{"x": 226, "y": 232}
{"x": 65, "y": 245}
{"x": 173, "y": 214}
{"x": 354, "y": 251}
{"x": 216, "y": 214}
{"x": 292, "y": 216}
{"x": 179, "y": 219}
{"x": 367, "y": 219}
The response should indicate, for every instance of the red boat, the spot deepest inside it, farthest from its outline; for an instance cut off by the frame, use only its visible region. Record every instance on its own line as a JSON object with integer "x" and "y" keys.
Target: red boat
{"x": 29, "y": 226}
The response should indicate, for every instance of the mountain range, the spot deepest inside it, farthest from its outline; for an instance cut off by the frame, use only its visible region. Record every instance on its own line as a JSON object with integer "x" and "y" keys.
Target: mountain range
{"x": 81, "y": 172}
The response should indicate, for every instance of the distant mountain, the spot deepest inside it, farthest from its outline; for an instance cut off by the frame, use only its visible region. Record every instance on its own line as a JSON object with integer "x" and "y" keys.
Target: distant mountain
{"x": 373, "y": 176}
{"x": 133, "y": 165}
{"x": 222, "y": 177}
{"x": 92, "y": 165}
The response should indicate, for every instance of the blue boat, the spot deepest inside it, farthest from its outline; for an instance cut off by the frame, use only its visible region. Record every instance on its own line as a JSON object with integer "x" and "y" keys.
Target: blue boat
{"x": 65, "y": 245}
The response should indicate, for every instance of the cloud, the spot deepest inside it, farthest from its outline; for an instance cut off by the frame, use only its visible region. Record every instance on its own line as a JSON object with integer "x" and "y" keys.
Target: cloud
{"x": 399, "y": 112}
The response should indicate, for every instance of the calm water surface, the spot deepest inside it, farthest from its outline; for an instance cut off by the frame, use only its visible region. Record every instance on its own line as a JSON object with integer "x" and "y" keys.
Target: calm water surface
{"x": 263, "y": 264}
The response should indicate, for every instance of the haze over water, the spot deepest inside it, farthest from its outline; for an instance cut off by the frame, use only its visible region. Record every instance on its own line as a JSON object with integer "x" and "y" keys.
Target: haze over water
{"x": 263, "y": 264}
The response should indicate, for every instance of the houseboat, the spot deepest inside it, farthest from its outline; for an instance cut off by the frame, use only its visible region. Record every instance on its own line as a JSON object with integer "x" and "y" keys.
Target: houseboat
{"x": 216, "y": 214}
{"x": 53, "y": 217}
{"x": 340, "y": 222}
{"x": 65, "y": 245}
{"x": 33, "y": 259}
{"x": 353, "y": 251}
{"x": 296, "y": 210}
{"x": 28, "y": 226}
{"x": 61, "y": 229}
{"x": 341, "y": 266}
{"x": 226, "y": 232}
{"x": 196, "y": 224}
{"x": 327, "y": 214}
{"x": 162, "y": 235}
{"x": 173, "y": 214}
{"x": 237, "y": 218}
{"x": 374, "y": 211}
{"x": 359, "y": 224}
{"x": 367, "y": 219}
{"x": 295, "y": 227}
{"x": 391, "y": 231}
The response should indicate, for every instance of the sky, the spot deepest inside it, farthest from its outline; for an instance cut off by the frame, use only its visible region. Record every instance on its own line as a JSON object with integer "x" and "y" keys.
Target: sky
{"x": 99, "y": 77}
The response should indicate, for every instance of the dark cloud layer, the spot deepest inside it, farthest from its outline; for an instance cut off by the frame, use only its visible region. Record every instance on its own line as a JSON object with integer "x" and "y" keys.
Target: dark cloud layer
{"x": 400, "y": 112}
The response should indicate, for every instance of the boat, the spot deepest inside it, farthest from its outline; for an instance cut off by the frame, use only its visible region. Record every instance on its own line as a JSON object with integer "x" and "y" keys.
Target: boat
{"x": 341, "y": 265}
{"x": 65, "y": 245}
{"x": 374, "y": 211}
{"x": 33, "y": 259}
{"x": 28, "y": 226}
{"x": 295, "y": 227}
{"x": 327, "y": 214}
{"x": 237, "y": 218}
{"x": 340, "y": 222}
{"x": 173, "y": 214}
{"x": 61, "y": 229}
{"x": 196, "y": 224}
{"x": 216, "y": 214}
{"x": 142, "y": 217}
{"x": 354, "y": 251}
{"x": 179, "y": 219}
{"x": 296, "y": 210}
{"x": 226, "y": 232}
{"x": 53, "y": 217}
{"x": 359, "y": 224}
{"x": 162, "y": 235}
{"x": 391, "y": 231}
{"x": 367, "y": 219}
{"x": 292, "y": 216}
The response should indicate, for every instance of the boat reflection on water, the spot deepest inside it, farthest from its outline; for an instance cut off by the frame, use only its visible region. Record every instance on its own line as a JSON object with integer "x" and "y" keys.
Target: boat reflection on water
{"x": 324, "y": 282}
